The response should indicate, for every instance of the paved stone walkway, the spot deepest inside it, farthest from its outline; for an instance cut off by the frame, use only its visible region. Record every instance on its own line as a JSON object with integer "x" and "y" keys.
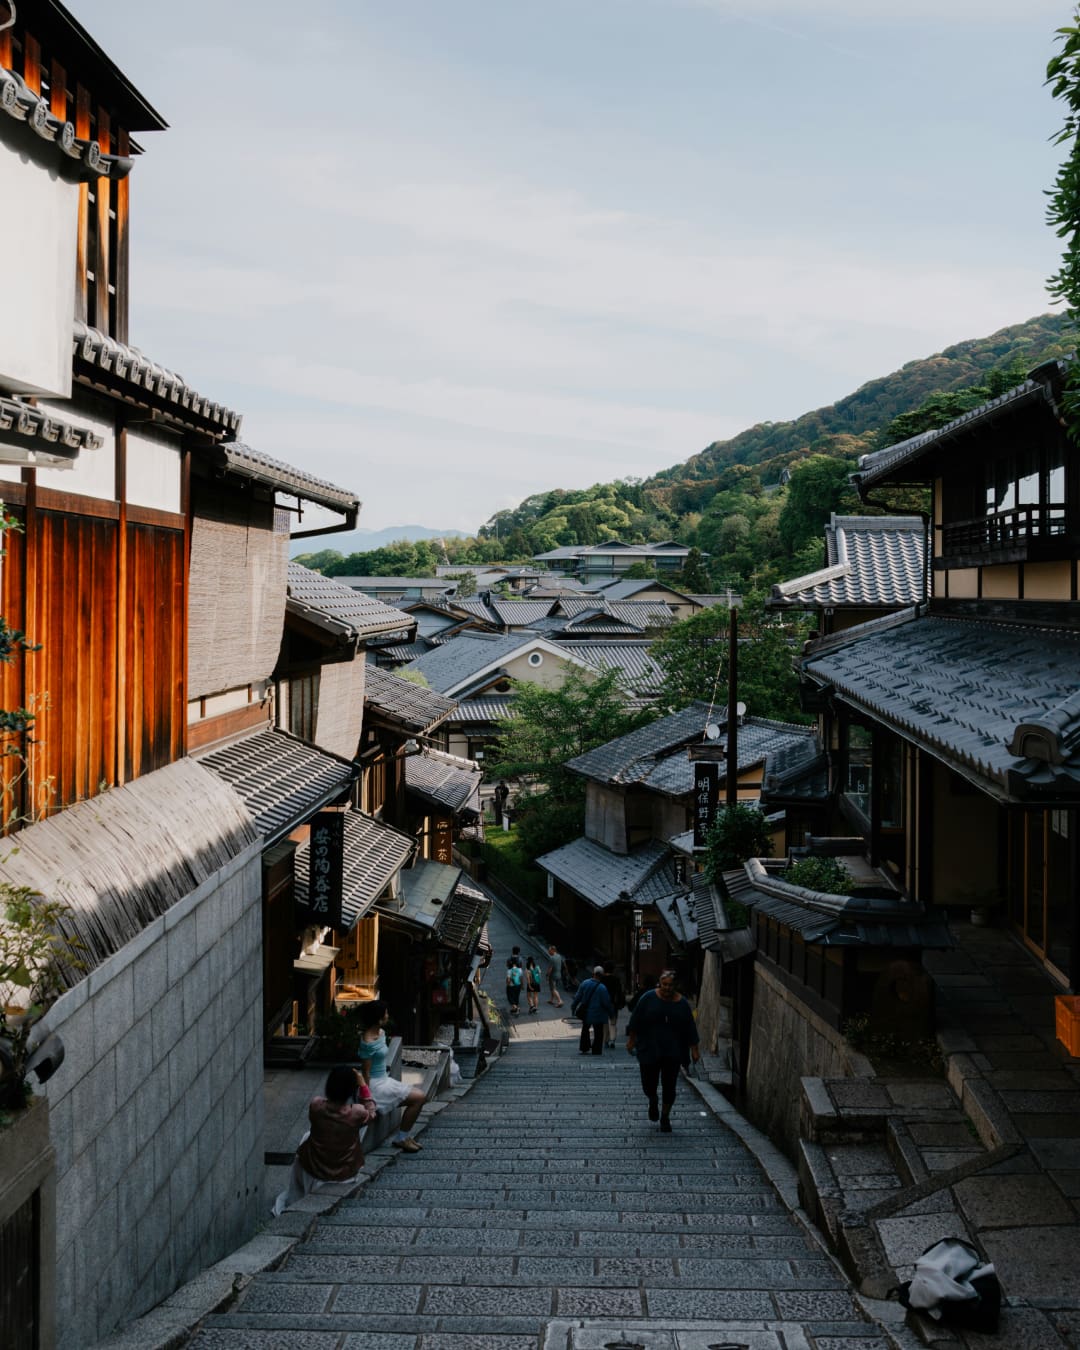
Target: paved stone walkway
{"x": 545, "y": 1210}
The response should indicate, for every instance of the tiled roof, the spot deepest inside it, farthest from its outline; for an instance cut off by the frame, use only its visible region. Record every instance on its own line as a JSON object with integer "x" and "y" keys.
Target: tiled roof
{"x": 520, "y": 613}
{"x": 337, "y": 608}
{"x": 437, "y": 585}
{"x": 435, "y": 896}
{"x": 796, "y": 773}
{"x": 463, "y": 922}
{"x": 374, "y": 853}
{"x": 1000, "y": 700}
{"x": 414, "y": 707}
{"x": 79, "y": 160}
{"x": 484, "y": 709}
{"x": 881, "y": 464}
{"x": 282, "y": 781}
{"x": 472, "y": 604}
{"x": 450, "y": 667}
{"x": 403, "y": 654}
{"x": 43, "y": 440}
{"x": 603, "y": 878}
{"x": 873, "y": 561}
{"x": 639, "y": 669}
{"x": 835, "y": 920}
{"x": 242, "y": 460}
{"x": 102, "y": 360}
{"x": 445, "y": 780}
{"x": 655, "y": 756}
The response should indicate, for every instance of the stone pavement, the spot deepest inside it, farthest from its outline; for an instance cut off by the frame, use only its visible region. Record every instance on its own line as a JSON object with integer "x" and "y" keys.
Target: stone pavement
{"x": 546, "y": 1211}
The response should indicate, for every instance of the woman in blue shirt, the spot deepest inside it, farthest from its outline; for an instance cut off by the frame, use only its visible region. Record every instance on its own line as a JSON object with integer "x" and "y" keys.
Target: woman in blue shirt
{"x": 388, "y": 1093}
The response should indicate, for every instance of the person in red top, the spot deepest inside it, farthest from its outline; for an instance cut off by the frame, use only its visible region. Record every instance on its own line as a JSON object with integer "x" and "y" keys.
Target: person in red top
{"x": 331, "y": 1150}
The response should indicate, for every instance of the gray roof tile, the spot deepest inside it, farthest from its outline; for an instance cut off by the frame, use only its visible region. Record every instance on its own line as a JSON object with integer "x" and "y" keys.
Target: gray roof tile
{"x": 445, "y": 780}
{"x": 872, "y": 561}
{"x": 655, "y": 756}
{"x": 282, "y": 781}
{"x": 413, "y": 706}
{"x": 326, "y": 602}
{"x": 997, "y": 699}
{"x": 603, "y": 878}
{"x": 449, "y": 667}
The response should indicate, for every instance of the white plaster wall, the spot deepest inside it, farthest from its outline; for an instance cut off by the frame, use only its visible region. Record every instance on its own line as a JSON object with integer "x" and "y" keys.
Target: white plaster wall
{"x": 37, "y": 235}
{"x": 157, "y": 1108}
{"x": 153, "y": 470}
{"x": 93, "y": 473}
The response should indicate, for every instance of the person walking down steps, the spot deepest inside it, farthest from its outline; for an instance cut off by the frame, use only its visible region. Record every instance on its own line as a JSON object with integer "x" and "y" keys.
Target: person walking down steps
{"x": 592, "y": 1003}
{"x": 664, "y": 1035}
{"x": 515, "y": 979}
{"x": 533, "y": 983}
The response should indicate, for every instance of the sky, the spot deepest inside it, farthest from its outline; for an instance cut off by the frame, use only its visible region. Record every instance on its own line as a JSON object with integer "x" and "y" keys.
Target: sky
{"x": 449, "y": 253}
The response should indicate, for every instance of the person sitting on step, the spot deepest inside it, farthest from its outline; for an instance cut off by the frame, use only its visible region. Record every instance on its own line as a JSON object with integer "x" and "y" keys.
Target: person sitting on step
{"x": 388, "y": 1093}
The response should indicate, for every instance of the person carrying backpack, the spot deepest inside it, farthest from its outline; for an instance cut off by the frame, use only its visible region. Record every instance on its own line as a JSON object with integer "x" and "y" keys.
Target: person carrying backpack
{"x": 515, "y": 978}
{"x": 592, "y": 1003}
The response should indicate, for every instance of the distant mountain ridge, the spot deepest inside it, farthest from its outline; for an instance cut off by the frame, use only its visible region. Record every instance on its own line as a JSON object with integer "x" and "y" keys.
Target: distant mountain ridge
{"x": 364, "y": 540}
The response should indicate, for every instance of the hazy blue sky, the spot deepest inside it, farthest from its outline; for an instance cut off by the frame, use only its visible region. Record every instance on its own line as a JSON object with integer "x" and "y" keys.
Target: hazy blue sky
{"x": 452, "y": 252}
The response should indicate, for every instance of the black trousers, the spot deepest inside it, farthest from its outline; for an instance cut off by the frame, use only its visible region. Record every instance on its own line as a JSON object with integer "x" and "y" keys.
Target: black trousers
{"x": 662, "y": 1073}
{"x": 598, "y": 1030}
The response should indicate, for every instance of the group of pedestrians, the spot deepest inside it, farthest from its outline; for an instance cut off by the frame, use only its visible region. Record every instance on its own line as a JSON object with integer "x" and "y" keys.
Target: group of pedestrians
{"x": 522, "y": 974}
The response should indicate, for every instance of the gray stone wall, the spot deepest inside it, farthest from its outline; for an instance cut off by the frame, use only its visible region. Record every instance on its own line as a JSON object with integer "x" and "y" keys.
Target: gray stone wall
{"x": 787, "y": 1042}
{"x": 156, "y": 1112}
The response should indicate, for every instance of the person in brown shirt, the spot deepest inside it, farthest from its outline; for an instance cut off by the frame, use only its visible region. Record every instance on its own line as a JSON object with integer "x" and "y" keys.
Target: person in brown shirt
{"x": 331, "y": 1149}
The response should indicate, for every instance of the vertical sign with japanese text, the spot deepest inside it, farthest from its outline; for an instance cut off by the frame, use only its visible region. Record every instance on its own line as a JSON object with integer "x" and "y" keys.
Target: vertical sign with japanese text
{"x": 442, "y": 835}
{"x": 706, "y": 796}
{"x": 326, "y": 869}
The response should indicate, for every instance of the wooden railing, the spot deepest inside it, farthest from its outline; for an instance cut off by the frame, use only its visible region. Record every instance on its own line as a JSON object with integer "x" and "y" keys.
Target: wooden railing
{"x": 1004, "y": 529}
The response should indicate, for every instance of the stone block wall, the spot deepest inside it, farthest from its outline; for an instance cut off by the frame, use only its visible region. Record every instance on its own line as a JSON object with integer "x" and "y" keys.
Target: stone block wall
{"x": 156, "y": 1112}
{"x": 787, "y": 1043}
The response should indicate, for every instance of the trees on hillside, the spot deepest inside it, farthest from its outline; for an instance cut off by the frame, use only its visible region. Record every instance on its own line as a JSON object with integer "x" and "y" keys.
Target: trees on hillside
{"x": 819, "y": 486}
{"x": 1063, "y": 213}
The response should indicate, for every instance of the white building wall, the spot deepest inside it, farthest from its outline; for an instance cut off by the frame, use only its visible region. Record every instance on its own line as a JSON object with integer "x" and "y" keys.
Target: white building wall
{"x": 38, "y": 229}
{"x": 156, "y": 1112}
{"x": 93, "y": 472}
{"x": 153, "y": 470}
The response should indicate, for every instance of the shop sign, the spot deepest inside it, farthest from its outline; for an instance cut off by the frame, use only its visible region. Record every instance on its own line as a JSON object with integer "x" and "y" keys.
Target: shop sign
{"x": 706, "y": 797}
{"x": 326, "y": 870}
{"x": 442, "y": 835}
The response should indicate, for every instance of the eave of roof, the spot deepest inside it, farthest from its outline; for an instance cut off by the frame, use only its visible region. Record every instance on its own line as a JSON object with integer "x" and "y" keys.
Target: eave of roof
{"x": 78, "y": 159}
{"x": 39, "y": 438}
{"x": 240, "y": 459}
{"x": 281, "y": 780}
{"x": 998, "y": 702}
{"x": 882, "y": 465}
{"x": 403, "y": 703}
{"x": 603, "y": 878}
{"x": 339, "y": 610}
{"x": 446, "y": 781}
{"x": 836, "y": 920}
{"x": 104, "y": 363}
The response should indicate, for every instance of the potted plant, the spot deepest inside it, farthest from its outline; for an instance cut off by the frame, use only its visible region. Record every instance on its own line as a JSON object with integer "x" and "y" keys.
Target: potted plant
{"x": 34, "y": 952}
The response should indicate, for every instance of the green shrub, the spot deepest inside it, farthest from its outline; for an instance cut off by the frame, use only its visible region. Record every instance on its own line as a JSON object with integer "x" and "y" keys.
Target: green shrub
{"x": 820, "y": 874}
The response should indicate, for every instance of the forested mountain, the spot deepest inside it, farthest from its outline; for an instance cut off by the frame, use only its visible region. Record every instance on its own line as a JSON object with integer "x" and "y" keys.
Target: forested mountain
{"x": 727, "y": 500}
{"x": 835, "y": 428}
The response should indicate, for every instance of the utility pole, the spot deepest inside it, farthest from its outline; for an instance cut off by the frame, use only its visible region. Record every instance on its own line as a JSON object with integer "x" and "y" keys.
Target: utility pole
{"x": 731, "y": 773}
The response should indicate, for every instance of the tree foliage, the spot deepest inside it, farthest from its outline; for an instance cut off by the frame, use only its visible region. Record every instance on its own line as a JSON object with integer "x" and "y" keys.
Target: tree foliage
{"x": 738, "y": 832}
{"x": 550, "y": 727}
{"x": 819, "y": 486}
{"x": 693, "y": 656}
{"x": 1063, "y": 212}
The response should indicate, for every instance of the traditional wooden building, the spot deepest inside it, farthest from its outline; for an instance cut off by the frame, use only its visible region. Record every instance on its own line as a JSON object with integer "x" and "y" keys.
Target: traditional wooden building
{"x": 623, "y": 889}
{"x": 954, "y": 727}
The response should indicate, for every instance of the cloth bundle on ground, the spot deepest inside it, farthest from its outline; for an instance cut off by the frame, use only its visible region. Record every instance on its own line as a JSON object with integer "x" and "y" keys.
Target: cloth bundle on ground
{"x": 953, "y": 1284}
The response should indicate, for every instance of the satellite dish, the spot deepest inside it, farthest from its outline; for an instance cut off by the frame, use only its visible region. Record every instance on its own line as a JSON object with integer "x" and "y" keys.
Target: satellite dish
{"x": 712, "y": 731}
{"x": 740, "y": 709}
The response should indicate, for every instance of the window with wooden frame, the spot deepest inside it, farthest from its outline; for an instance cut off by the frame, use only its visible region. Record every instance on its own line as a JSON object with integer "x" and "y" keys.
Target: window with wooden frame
{"x": 304, "y": 705}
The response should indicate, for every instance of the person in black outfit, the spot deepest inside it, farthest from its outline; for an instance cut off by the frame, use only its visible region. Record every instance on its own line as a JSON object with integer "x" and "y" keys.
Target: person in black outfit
{"x": 663, "y": 1032}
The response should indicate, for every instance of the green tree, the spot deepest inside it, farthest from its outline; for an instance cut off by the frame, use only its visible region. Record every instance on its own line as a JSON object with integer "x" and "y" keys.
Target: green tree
{"x": 549, "y": 727}
{"x": 318, "y": 562}
{"x": 693, "y": 656}
{"x": 1063, "y": 212}
{"x": 738, "y": 832}
{"x": 466, "y": 583}
{"x": 818, "y": 487}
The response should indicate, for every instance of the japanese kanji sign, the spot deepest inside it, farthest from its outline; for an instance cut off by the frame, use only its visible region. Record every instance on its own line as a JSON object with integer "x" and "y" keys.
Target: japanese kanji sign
{"x": 706, "y": 796}
{"x": 326, "y": 867}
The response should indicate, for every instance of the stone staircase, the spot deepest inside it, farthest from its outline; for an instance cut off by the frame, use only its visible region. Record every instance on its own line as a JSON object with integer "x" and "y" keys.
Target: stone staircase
{"x": 545, "y": 1203}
